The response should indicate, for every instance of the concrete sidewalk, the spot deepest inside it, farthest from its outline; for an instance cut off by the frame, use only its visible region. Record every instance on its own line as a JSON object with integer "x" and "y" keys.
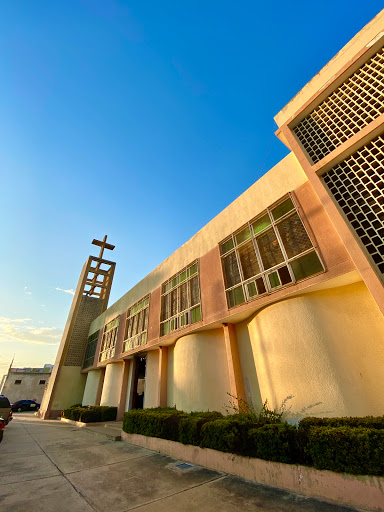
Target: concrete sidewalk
{"x": 52, "y": 466}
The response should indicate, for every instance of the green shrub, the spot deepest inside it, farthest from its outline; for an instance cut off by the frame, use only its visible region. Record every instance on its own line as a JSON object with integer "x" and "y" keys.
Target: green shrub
{"x": 75, "y": 405}
{"x": 90, "y": 414}
{"x": 229, "y": 434}
{"x": 65, "y": 413}
{"x": 305, "y": 425}
{"x": 275, "y": 442}
{"x": 163, "y": 423}
{"x": 343, "y": 449}
{"x": 366, "y": 421}
{"x": 106, "y": 413}
{"x": 74, "y": 413}
{"x": 190, "y": 426}
{"x": 351, "y": 449}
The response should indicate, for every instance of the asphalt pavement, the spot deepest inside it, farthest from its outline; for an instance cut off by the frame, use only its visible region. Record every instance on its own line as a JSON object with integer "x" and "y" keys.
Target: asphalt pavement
{"x": 50, "y": 466}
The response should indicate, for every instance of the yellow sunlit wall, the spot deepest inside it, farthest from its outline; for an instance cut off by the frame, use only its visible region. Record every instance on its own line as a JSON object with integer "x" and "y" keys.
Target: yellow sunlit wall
{"x": 326, "y": 346}
{"x": 198, "y": 377}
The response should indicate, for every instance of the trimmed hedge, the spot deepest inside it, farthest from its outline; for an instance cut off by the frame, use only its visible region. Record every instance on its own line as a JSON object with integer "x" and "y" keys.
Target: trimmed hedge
{"x": 275, "y": 442}
{"x": 190, "y": 427}
{"x": 72, "y": 413}
{"x": 357, "y": 446}
{"x": 366, "y": 421}
{"x": 229, "y": 434}
{"x": 351, "y": 450}
{"x": 90, "y": 414}
{"x": 163, "y": 423}
{"x": 309, "y": 456}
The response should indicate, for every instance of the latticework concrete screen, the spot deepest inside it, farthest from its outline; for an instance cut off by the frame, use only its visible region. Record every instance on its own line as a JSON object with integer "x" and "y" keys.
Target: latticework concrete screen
{"x": 357, "y": 184}
{"x": 90, "y": 308}
{"x": 356, "y": 103}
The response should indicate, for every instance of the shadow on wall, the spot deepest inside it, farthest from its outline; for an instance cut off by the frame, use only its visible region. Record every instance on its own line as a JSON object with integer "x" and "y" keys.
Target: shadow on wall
{"x": 248, "y": 365}
{"x": 288, "y": 343}
{"x": 284, "y": 402}
{"x": 322, "y": 347}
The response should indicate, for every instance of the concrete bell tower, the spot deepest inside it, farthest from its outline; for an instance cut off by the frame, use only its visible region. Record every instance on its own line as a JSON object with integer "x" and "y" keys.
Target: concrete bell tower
{"x": 66, "y": 385}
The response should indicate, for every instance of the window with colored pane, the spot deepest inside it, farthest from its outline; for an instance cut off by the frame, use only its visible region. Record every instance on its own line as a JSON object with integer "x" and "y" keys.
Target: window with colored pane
{"x": 108, "y": 344}
{"x": 294, "y": 236}
{"x": 283, "y": 208}
{"x": 136, "y": 325}
{"x": 261, "y": 223}
{"x": 235, "y": 296}
{"x": 248, "y": 259}
{"x": 91, "y": 349}
{"x": 269, "y": 248}
{"x": 306, "y": 266}
{"x": 180, "y": 302}
{"x": 271, "y": 251}
{"x": 231, "y": 270}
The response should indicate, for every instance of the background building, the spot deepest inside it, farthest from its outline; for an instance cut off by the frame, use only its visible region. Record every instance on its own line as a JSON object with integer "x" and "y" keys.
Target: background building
{"x": 26, "y": 383}
{"x": 280, "y": 294}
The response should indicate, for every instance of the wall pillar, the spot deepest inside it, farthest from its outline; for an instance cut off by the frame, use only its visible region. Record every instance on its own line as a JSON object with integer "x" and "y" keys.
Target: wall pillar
{"x": 112, "y": 384}
{"x": 123, "y": 391}
{"x": 234, "y": 365}
{"x": 162, "y": 378}
{"x": 92, "y": 386}
{"x": 100, "y": 387}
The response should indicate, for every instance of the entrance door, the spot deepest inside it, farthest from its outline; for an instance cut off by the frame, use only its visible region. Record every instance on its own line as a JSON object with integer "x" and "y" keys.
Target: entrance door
{"x": 139, "y": 384}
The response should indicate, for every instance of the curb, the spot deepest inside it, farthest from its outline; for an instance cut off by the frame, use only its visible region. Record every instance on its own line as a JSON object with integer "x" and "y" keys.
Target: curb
{"x": 360, "y": 491}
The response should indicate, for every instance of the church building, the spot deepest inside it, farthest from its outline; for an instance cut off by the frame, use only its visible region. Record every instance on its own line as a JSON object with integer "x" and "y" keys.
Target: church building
{"x": 281, "y": 294}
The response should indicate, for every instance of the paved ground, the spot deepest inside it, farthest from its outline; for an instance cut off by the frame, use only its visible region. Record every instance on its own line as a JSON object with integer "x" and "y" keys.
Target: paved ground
{"x": 52, "y": 466}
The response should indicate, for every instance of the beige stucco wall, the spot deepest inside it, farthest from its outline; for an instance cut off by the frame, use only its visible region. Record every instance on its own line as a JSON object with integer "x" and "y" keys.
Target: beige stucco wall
{"x": 91, "y": 386}
{"x": 151, "y": 392}
{"x": 365, "y": 37}
{"x": 28, "y": 389}
{"x": 69, "y": 387}
{"x": 113, "y": 381}
{"x": 326, "y": 346}
{"x": 200, "y": 372}
{"x": 286, "y": 176}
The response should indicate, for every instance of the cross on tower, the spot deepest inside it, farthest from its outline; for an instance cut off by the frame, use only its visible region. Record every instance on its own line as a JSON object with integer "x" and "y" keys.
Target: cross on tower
{"x": 94, "y": 283}
{"x": 103, "y": 245}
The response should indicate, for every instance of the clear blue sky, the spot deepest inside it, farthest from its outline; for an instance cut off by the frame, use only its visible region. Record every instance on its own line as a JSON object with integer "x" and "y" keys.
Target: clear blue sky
{"x": 141, "y": 120}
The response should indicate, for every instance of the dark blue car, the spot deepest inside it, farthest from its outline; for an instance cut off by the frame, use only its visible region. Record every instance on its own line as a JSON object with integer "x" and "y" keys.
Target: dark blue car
{"x": 25, "y": 405}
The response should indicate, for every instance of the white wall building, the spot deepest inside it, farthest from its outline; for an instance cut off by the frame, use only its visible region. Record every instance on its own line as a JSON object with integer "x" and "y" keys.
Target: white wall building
{"x": 26, "y": 383}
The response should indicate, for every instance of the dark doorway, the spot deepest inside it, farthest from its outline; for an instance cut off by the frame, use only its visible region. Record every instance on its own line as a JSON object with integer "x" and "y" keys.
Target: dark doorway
{"x": 139, "y": 383}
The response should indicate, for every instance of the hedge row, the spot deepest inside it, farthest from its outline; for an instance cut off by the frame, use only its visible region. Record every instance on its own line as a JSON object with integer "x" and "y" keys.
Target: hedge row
{"x": 337, "y": 444}
{"x": 90, "y": 414}
{"x": 367, "y": 422}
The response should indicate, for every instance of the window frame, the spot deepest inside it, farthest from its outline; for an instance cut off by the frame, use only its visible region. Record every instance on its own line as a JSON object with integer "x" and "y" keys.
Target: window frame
{"x": 135, "y": 341}
{"x": 109, "y": 338}
{"x": 90, "y": 350}
{"x": 175, "y": 320}
{"x": 265, "y": 272}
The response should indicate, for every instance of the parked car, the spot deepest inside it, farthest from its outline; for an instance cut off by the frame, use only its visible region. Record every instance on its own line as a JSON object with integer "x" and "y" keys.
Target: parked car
{"x": 5, "y": 409}
{"x": 2, "y": 426}
{"x": 25, "y": 405}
